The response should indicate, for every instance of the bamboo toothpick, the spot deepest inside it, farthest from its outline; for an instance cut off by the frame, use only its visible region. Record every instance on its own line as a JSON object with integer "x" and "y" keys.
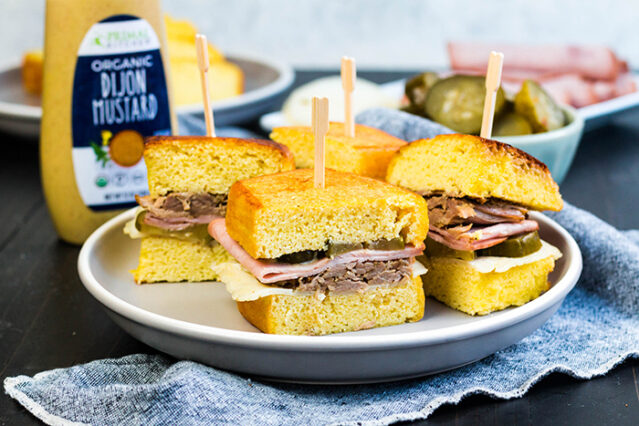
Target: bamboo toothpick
{"x": 348, "y": 84}
{"x": 320, "y": 127}
{"x": 201, "y": 46}
{"x": 493, "y": 80}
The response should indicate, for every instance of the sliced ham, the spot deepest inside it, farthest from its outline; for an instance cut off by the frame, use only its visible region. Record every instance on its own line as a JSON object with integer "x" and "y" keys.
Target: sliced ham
{"x": 573, "y": 87}
{"x": 502, "y": 209}
{"x": 480, "y": 237}
{"x": 595, "y": 62}
{"x": 626, "y": 83}
{"x": 573, "y": 75}
{"x": 271, "y": 272}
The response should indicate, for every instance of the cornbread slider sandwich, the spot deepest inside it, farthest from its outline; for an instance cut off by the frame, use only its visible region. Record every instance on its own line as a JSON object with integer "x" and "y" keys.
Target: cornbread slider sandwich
{"x": 320, "y": 251}
{"x": 483, "y": 251}
{"x": 350, "y": 147}
{"x": 315, "y": 261}
{"x": 189, "y": 179}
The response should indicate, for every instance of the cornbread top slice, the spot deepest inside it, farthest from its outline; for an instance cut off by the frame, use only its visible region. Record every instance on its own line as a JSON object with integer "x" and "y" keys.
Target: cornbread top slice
{"x": 366, "y": 154}
{"x": 284, "y": 213}
{"x": 466, "y": 165}
{"x": 204, "y": 164}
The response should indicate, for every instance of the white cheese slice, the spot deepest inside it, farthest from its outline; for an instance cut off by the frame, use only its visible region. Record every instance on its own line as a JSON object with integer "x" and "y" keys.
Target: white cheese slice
{"x": 418, "y": 269}
{"x": 244, "y": 287}
{"x": 486, "y": 264}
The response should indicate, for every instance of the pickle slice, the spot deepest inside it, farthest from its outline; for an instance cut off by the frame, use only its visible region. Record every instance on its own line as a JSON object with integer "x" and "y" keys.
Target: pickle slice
{"x": 511, "y": 124}
{"x": 417, "y": 87}
{"x": 384, "y": 244}
{"x": 435, "y": 249}
{"x": 541, "y": 111}
{"x": 336, "y": 248}
{"x": 301, "y": 256}
{"x": 195, "y": 234}
{"x": 517, "y": 246}
{"x": 413, "y": 109}
{"x": 457, "y": 102}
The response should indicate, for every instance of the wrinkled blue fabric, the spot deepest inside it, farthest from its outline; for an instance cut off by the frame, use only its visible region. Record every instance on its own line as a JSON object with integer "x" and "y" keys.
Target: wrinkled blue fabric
{"x": 401, "y": 124}
{"x": 596, "y": 328}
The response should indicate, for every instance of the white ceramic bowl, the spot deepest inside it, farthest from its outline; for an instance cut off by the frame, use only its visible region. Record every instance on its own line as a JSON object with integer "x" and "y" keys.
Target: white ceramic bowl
{"x": 556, "y": 148}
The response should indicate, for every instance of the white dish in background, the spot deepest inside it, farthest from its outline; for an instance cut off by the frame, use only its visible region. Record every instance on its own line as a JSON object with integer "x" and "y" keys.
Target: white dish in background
{"x": 594, "y": 116}
{"x": 393, "y": 89}
{"x": 199, "y": 321}
{"x": 265, "y": 82}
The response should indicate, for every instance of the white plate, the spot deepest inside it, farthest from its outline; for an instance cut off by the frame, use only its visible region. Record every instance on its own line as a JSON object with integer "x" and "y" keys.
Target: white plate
{"x": 264, "y": 84}
{"x": 594, "y": 116}
{"x": 200, "y": 322}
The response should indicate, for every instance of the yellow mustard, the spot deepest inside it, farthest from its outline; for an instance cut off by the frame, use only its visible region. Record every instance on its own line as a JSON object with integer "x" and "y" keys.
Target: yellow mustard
{"x": 104, "y": 90}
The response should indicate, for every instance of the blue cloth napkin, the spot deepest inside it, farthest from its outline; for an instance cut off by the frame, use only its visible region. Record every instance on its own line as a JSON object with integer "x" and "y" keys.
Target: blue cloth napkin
{"x": 193, "y": 124}
{"x": 401, "y": 124}
{"x": 596, "y": 328}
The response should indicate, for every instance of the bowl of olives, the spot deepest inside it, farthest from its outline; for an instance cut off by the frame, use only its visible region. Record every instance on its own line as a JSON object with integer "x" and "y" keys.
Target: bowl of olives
{"x": 530, "y": 119}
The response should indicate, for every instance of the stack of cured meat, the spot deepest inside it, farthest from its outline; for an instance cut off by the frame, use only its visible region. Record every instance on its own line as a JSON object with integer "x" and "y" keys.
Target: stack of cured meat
{"x": 575, "y": 75}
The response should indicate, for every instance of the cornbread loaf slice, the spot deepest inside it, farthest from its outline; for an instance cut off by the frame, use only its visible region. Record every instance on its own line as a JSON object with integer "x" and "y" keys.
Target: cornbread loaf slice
{"x": 367, "y": 154}
{"x": 306, "y": 314}
{"x": 226, "y": 80}
{"x": 204, "y": 164}
{"x": 164, "y": 259}
{"x": 457, "y": 284}
{"x": 471, "y": 166}
{"x": 284, "y": 213}
{"x": 32, "y": 65}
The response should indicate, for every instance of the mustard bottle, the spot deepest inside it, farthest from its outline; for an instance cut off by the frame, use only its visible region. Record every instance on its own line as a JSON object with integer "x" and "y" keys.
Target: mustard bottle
{"x": 105, "y": 89}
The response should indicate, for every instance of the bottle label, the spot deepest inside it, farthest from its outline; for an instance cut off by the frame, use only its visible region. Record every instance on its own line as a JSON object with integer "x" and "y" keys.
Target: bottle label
{"x": 119, "y": 97}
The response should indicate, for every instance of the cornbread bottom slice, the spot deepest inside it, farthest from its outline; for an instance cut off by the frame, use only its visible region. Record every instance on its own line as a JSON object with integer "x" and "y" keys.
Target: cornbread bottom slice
{"x": 307, "y": 315}
{"x": 457, "y": 284}
{"x": 165, "y": 259}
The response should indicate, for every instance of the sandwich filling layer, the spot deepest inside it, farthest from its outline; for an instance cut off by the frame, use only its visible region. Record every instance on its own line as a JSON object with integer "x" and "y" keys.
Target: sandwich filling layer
{"x": 178, "y": 211}
{"x": 474, "y": 224}
{"x": 352, "y": 271}
{"x": 354, "y": 277}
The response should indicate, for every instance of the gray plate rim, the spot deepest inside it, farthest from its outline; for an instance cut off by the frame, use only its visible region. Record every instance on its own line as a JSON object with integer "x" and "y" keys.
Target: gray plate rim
{"x": 328, "y": 343}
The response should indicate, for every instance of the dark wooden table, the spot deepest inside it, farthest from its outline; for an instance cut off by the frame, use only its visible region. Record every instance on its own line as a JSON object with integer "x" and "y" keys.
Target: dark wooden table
{"x": 48, "y": 319}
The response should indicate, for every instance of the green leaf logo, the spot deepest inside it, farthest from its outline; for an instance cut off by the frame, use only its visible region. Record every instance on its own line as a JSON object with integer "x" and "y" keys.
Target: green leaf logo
{"x": 100, "y": 154}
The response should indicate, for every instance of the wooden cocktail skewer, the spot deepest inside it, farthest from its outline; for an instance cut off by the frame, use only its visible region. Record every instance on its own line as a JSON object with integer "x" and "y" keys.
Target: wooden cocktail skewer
{"x": 320, "y": 127}
{"x": 201, "y": 46}
{"x": 348, "y": 84}
{"x": 493, "y": 80}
